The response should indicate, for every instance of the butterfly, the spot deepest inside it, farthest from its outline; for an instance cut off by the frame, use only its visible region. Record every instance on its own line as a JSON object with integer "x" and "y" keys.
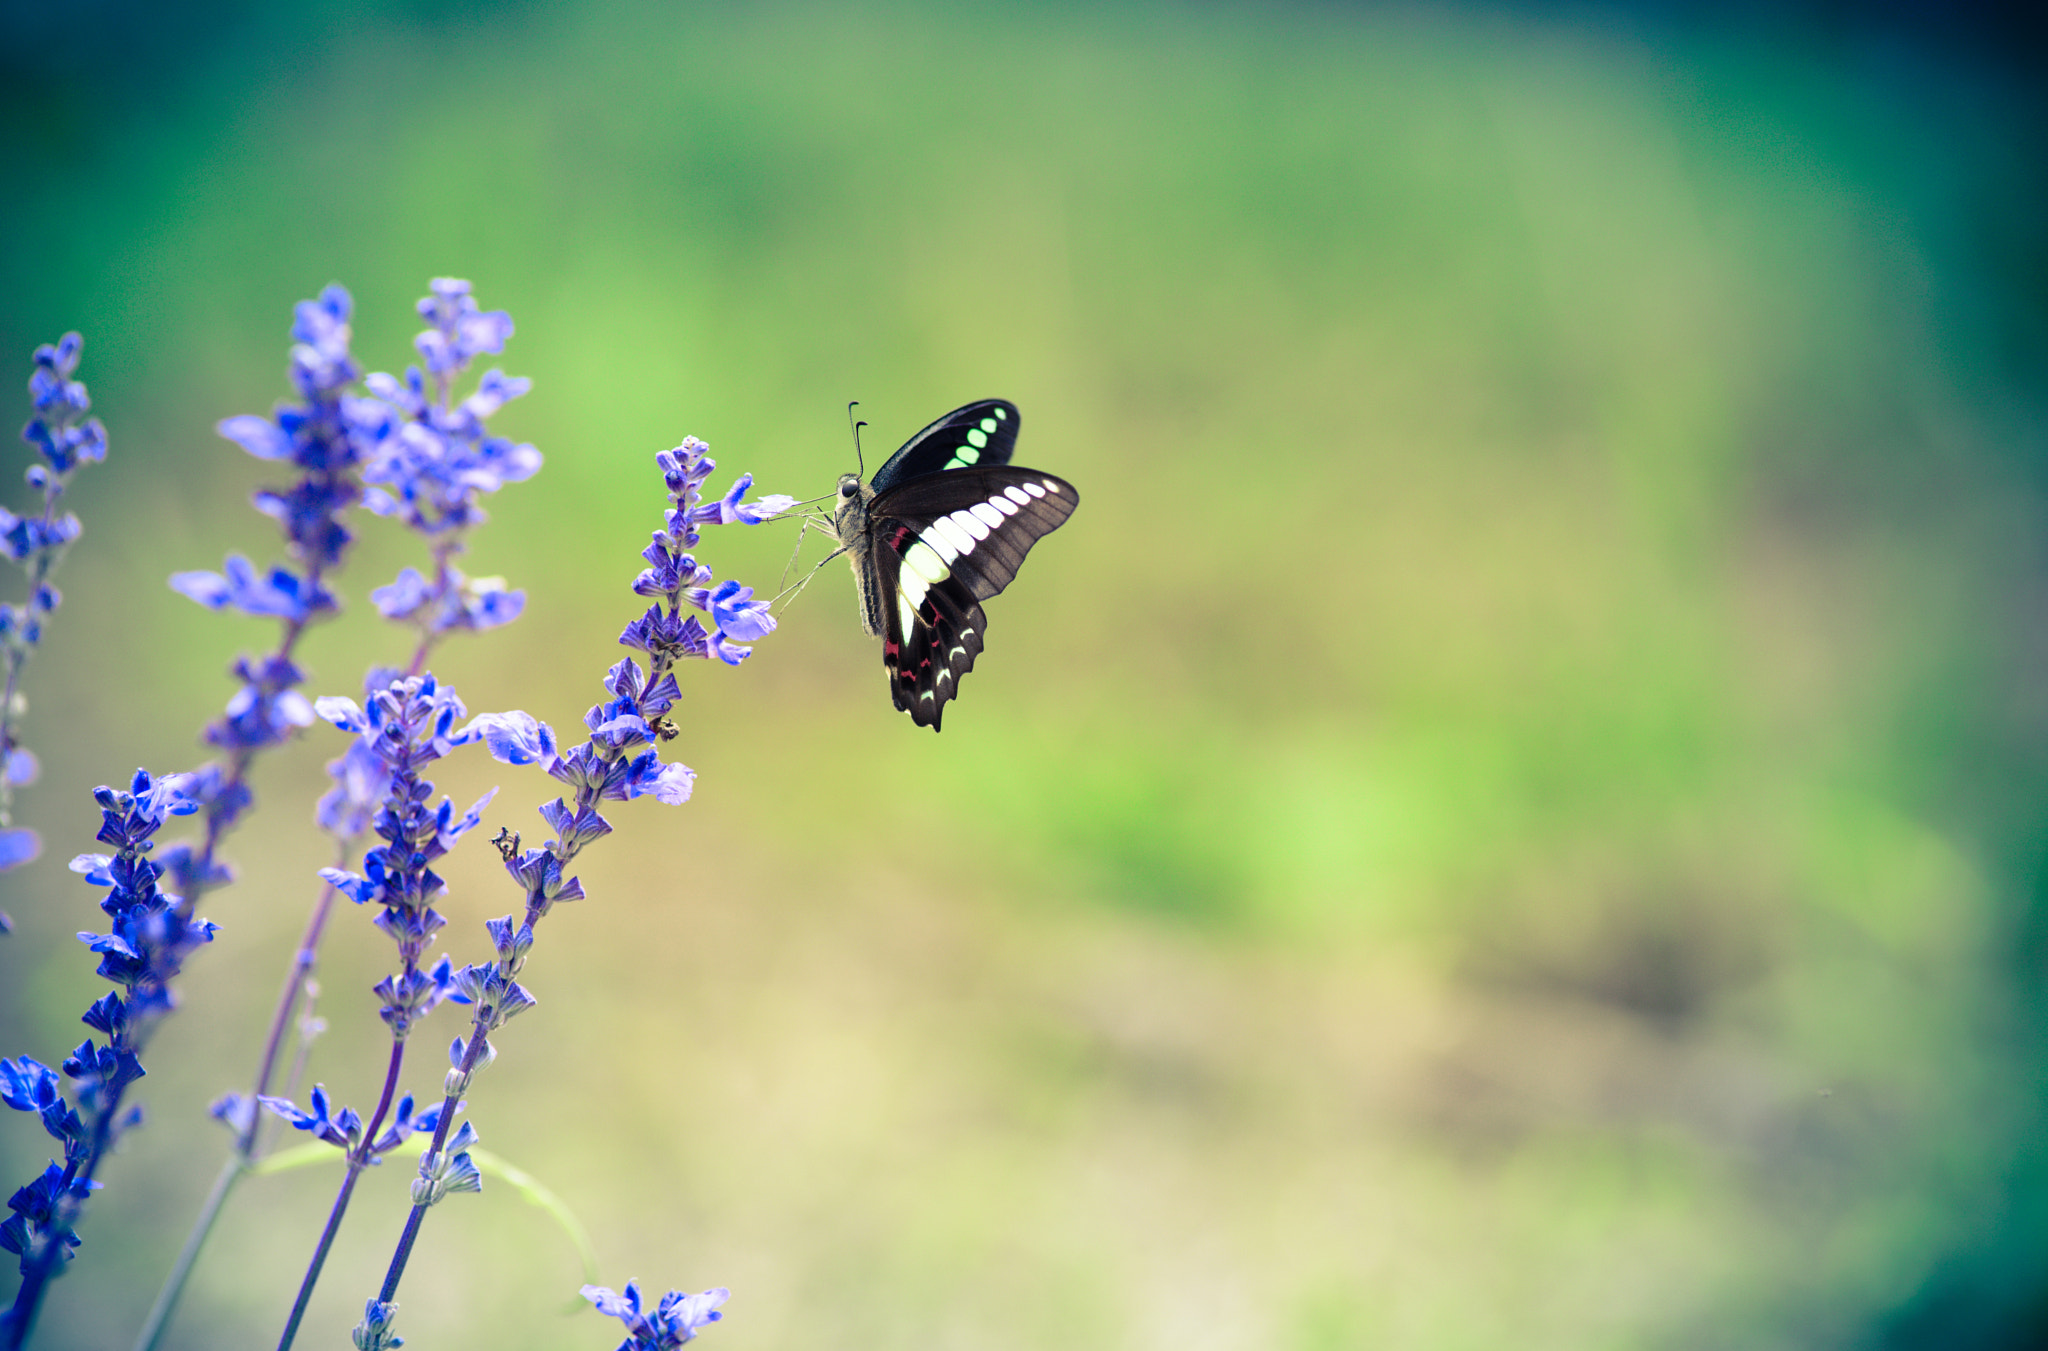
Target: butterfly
{"x": 943, "y": 526}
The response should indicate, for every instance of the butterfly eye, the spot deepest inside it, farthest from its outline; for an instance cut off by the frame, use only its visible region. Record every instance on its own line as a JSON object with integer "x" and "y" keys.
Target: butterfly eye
{"x": 848, "y": 487}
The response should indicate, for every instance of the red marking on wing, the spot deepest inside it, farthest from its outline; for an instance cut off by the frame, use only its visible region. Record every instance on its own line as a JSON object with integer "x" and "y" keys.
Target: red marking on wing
{"x": 897, "y": 536}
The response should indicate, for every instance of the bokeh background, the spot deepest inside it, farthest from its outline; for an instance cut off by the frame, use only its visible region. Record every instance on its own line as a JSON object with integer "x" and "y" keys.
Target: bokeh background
{"x": 1512, "y": 817}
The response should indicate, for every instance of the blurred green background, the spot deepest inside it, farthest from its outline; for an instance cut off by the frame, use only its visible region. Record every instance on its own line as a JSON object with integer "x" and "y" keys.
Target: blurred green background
{"x": 1510, "y": 818}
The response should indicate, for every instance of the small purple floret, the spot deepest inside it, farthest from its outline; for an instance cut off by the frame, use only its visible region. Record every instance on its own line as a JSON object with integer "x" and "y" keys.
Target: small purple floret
{"x": 671, "y": 1323}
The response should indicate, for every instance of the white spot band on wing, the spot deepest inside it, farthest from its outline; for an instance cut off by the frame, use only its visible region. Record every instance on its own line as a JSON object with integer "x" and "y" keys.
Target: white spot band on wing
{"x": 986, "y": 514}
{"x": 969, "y": 523}
{"x": 910, "y": 589}
{"x": 920, "y": 558}
{"x": 1034, "y": 490}
{"x": 1004, "y": 505}
{"x": 1018, "y": 495}
{"x": 962, "y": 542}
{"x": 936, "y": 541}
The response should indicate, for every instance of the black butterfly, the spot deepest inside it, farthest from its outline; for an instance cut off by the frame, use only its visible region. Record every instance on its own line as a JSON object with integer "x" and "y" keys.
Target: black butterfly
{"x": 944, "y": 525}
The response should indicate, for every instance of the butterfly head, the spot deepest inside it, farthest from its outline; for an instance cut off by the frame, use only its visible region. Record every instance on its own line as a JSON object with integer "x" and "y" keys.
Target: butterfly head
{"x": 849, "y": 516}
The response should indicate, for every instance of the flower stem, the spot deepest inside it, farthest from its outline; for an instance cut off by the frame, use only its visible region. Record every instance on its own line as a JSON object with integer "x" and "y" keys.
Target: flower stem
{"x": 160, "y": 1312}
{"x": 358, "y": 1159}
{"x": 348, "y": 1186}
{"x": 244, "y": 1152}
{"x": 478, "y": 1044}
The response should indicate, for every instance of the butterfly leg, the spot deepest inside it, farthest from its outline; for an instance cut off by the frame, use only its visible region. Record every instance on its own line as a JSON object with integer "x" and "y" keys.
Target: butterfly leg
{"x": 789, "y": 594}
{"x": 803, "y": 531}
{"x": 810, "y": 522}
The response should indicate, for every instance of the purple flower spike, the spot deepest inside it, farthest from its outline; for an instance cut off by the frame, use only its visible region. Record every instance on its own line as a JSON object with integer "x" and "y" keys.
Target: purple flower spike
{"x": 460, "y": 330}
{"x": 676, "y": 576}
{"x": 65, "y": 438}
{"x": 60, "y": 431}
{"x": 151, "y": 933}
{"x": 324, "y": 439}
{"x": 439, "y": 460}
{"x": 401, "y": 730}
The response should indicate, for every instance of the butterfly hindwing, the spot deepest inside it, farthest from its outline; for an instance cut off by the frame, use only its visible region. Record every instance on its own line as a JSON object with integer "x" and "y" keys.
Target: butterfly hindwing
{"x": 944, "y": 544}
{"x": 931, "y": 636}
{"x": 977, "y": 434}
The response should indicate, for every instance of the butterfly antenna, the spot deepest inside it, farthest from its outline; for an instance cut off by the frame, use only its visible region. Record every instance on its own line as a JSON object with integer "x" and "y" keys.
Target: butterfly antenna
{"x": 857, "y": 462}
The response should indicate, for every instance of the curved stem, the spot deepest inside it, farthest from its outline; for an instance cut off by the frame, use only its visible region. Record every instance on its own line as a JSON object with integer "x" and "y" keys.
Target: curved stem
{"x": 358, "y": 1159}
{"x": 244, "y": 1152}
{"x": 160, "y": 1312}
{"x": 478, "y": 1043}
{"x": 348, "y": 1186}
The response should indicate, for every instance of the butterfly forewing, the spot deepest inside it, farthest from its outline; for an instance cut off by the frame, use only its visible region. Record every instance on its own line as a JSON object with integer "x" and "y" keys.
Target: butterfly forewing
{"x": 980, "y": 434}
{"x": 979, "y": 522}
{"x": 943, "y": 544}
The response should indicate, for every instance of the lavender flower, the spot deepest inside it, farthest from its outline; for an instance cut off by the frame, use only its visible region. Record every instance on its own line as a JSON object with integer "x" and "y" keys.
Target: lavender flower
{"x": 375, "y": 1332}
{"x": 675, "y": 577}
{"x": 440, "y": 458}
{"x": 66, "y": 439}
{"x": 151, "y": 934}
{"x": 427, "y": 455}
{"x": 619, "y": 760}
{"x": 669, "y": 1324}
{"x": 402, "y": 729}
{"x": 343, "y": 1129}
{"x": 432, "y": 462}
{"x": 152, "y": 931}
{"x": 406, "y": 727}
{"x": 43, "y": 1206}
{"x": 326, "y": 438}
